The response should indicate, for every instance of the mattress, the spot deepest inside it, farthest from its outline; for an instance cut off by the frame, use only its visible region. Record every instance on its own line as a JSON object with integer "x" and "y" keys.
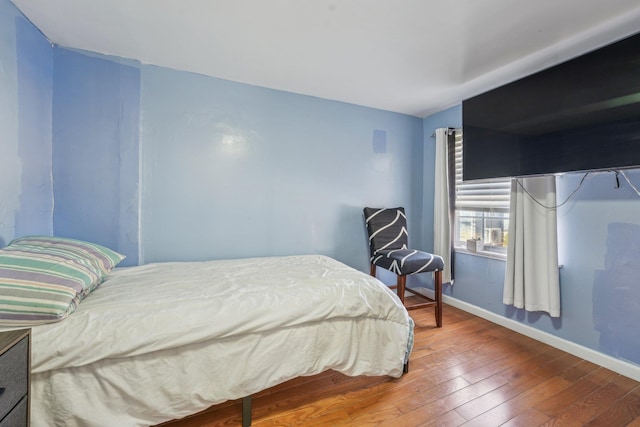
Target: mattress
{"x": 162, "y": 341}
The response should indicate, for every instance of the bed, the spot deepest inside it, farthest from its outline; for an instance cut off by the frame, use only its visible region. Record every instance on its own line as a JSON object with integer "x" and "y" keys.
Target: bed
{"x": 162, "y": 341}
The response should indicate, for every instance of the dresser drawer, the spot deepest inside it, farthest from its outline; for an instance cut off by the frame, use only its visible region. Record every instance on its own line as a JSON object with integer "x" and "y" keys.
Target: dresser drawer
{"x": 18, "y": 416}
{"x": 14, "y": 376}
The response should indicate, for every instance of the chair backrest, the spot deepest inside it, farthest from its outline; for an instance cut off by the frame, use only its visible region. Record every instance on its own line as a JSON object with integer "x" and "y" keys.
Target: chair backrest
{"x": 387, "y": 228}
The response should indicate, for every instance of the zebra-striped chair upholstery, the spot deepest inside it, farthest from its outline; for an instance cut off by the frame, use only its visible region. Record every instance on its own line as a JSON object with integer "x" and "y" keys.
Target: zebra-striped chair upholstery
{"x": 388, "y": 247}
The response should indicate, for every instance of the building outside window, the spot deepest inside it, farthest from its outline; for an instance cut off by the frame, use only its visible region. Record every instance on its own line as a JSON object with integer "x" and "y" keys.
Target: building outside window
{"x": 481, "y": 211}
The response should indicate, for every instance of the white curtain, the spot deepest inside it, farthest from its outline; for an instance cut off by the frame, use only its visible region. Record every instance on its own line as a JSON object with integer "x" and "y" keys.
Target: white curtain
{"x": 441, "y": 208}
{"x": 532, "y": 279}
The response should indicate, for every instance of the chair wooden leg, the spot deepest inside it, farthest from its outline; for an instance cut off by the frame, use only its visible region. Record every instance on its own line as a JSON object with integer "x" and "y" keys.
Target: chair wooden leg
{"x": 373, "y": 270}
{"x": 402, "y": 282}
{"x": 438, "y": 297}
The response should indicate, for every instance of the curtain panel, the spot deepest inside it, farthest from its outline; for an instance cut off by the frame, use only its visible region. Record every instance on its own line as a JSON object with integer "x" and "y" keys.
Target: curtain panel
{"x": 444, "y": 199}
{"x": 532, "y": 279}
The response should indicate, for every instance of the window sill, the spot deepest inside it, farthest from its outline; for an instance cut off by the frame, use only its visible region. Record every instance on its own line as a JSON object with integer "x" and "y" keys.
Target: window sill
{"x": 483, "y": 254}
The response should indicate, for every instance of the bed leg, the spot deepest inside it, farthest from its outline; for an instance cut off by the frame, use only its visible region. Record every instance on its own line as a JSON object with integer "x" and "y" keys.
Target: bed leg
{"x": 405, "y": 369}
{"x": 246, "y": 411}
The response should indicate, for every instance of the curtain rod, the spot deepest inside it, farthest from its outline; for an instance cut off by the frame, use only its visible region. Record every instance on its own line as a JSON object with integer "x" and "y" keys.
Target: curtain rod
{"x": 449, "y": 129}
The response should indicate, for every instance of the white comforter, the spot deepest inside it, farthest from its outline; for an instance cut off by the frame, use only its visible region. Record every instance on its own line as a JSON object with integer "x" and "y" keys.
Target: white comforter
{"x": 210, "y": 332}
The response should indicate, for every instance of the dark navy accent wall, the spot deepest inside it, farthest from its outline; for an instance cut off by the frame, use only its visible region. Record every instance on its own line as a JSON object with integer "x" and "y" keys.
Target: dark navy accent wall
{"x": 96, "y": 104}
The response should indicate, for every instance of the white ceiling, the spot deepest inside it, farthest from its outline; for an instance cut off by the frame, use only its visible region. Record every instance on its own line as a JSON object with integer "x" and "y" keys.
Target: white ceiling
{"x": 410, "y": 56}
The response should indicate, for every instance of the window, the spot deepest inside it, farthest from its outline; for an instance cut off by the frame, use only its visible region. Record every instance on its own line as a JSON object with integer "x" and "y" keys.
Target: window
{"x": 481, "y": 211}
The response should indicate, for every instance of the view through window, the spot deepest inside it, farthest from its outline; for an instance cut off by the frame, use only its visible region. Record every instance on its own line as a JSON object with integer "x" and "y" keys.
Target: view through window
{"x": 481, "y": 210}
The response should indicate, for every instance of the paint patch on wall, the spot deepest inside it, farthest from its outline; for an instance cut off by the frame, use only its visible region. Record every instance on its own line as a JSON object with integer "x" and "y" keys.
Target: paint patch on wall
{"x": 616, "y": 293}
{"x": 381, "y": 160}
{"x": 379, "y": 141}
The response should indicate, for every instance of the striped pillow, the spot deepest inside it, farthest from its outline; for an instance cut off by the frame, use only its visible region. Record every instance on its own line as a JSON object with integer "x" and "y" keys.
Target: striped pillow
{"x": 43, "y": 279}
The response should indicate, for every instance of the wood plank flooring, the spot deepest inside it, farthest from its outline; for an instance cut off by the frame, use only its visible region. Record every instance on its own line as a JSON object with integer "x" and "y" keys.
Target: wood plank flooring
{"x": 471, "y": 372}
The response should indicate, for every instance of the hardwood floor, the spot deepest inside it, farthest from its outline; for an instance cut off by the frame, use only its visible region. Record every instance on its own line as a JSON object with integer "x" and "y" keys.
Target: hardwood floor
{"x": 470, "y": 372}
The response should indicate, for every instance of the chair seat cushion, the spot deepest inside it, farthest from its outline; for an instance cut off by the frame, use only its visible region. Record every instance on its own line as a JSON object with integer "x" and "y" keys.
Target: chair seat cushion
{"x": 407, "y": 261}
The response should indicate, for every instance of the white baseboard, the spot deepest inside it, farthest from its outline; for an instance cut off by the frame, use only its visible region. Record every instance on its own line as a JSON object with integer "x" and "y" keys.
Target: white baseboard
{"x": 628, "y": 369}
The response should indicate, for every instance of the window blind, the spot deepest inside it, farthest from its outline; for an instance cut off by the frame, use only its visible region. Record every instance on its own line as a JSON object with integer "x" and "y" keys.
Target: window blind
{"x": 480, "y": 195}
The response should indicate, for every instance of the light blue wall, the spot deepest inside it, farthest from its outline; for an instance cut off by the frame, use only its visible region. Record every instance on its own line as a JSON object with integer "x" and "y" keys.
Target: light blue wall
{"x": 167, "y": 165}
{"x": 232, "y": 170}
{"x": 96, "y": 105}
{"x": 214, "y": 169}
{"x": 26, "y": 198}
{"x": 599, "y": 248}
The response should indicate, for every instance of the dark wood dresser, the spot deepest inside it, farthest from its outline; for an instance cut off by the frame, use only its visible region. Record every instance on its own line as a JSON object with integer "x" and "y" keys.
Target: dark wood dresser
{"x": 15, "y": 358}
